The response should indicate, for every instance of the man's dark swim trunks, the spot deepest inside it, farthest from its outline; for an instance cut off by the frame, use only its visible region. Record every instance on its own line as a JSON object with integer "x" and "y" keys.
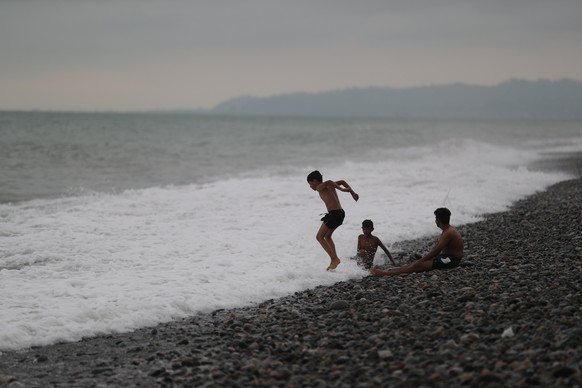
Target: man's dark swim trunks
{"x": 445, "y": 261}
{"x": 334, "y": 218}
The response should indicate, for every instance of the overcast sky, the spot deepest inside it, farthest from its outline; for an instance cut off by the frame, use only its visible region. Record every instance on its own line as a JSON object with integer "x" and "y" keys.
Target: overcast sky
{"x": 139, "y": 55}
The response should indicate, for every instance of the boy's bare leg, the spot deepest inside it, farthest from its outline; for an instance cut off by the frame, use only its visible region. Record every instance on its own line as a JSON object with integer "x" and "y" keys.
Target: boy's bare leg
{"x": 324, "y": 238}
{"x": 335, "y": 261}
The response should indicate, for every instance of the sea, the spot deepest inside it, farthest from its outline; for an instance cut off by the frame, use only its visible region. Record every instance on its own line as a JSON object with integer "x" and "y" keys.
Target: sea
{"x": 111, "y": 222}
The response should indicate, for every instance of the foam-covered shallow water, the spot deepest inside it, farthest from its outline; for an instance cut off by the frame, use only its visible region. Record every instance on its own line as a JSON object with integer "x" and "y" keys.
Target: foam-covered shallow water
{"x": 98, "y": 262}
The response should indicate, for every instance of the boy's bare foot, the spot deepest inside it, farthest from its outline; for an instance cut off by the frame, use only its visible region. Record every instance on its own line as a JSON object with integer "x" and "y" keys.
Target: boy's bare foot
{"x": 333, "y": 265}
{"x": 373, "y": 270}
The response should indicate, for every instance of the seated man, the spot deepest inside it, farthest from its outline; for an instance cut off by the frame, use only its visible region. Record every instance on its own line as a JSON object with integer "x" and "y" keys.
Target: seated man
{"x": 447, "y": 253}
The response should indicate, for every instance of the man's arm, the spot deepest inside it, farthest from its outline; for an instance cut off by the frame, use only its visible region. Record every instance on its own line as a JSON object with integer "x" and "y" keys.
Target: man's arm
{"x": 385, "y": 250}
{"x": 438, "y": 248}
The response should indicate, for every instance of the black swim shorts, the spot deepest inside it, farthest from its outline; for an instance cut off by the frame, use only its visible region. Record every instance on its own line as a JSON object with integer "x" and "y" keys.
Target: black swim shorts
{"x": 445, "y": 261}
{"x": 334, "y": 218}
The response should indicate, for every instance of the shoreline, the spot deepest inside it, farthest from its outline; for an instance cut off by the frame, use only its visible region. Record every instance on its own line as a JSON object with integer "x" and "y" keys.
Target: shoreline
{"x": 510, "y": 316}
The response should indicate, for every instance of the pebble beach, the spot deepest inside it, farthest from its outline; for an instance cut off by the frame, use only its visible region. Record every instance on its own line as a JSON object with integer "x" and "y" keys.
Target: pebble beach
{"x": 509, "y": 316}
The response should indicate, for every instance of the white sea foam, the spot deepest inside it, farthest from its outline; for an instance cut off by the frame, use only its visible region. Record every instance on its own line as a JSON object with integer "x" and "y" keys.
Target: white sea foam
{"x": 94, "y": 264}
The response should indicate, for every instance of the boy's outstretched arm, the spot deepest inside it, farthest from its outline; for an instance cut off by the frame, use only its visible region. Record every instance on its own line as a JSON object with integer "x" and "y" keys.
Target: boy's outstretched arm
{"x": 347, "y": 189}
{"x": 385, "y": 251}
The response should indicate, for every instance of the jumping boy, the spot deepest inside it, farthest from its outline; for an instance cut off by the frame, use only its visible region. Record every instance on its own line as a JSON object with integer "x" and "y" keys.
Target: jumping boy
{"x": 335, "y": 214}
{"x": 368, "y": 245}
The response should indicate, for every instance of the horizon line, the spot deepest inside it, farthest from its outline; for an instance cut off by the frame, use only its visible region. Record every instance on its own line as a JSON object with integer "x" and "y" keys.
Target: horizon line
{"x": 202, "y": 110}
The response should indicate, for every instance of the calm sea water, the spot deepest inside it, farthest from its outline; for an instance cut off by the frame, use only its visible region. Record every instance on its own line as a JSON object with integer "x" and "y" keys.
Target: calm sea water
{"x": 48, "y": 155}
{"x": 109, "y": 222}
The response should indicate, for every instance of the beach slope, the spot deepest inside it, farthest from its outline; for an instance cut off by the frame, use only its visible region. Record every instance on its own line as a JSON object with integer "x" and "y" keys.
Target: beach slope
{"x": 510, "y": 316}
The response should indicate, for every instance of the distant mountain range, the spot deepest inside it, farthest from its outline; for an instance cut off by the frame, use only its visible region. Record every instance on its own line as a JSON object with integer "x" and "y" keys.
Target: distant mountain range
{"x": 515, "y": 98}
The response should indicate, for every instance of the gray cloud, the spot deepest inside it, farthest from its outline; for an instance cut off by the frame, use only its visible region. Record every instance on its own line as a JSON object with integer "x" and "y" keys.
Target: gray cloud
{"x": 199, "y": 53}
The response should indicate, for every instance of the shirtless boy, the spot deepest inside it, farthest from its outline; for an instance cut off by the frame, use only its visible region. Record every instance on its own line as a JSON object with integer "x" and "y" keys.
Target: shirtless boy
{"x": 335, "y": 214}
{"x": 368, "y": 245}
{"x": 447, "y": 253}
